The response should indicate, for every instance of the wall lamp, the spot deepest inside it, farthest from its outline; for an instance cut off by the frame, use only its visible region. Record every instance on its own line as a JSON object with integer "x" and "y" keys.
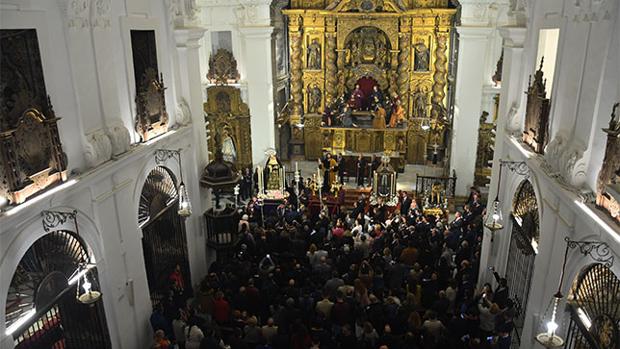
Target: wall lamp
{"x": 494, "y": 219}
{"x": 598, "y": 251}
{"x": 52, "y": 220}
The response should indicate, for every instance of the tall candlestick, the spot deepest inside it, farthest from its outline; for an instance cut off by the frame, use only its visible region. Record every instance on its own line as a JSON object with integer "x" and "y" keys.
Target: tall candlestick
{"x": 283, "y": 177}
{"x": 260, "y": 180}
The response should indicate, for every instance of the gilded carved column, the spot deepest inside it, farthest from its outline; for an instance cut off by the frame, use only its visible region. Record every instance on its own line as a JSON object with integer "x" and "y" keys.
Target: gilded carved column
{"x": 296, "y": 68}
{"x": 441, "y": 71}
{"x": 330, "y": 60}
{"x": 404, "y": 64}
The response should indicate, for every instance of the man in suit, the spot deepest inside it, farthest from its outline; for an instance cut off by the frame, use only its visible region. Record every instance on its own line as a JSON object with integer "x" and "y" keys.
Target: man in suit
{"x": 361, "y": 164}
{"x": 405, "y": 204}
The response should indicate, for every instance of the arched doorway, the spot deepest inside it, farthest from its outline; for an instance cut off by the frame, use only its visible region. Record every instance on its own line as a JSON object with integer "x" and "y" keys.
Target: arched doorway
{"x": 42, "y": 310}
{"x": 523, "y": 249}
{"x": 594, "y": 308}
{"x": 164, "y": 241}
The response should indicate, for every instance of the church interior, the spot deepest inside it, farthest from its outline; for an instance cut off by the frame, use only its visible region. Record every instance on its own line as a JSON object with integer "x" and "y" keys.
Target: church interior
{"x": 309, "y": 174}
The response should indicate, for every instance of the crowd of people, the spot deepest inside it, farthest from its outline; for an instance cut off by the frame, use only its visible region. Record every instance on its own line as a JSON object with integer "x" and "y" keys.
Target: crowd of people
{"x": 370, "y": 277}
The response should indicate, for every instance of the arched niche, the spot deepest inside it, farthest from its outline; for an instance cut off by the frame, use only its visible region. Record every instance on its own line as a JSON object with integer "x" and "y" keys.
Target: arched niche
{"x": 42, "y": 309}
{"x": 593, "y": 307}
{"x": 164, "y": 240}
{"x": 524, "y": 237}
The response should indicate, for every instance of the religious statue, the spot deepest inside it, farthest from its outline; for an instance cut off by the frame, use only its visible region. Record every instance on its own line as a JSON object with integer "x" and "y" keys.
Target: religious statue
{"x": 229, "y": 151}
{"x": 422, "y": 56}
{"x": 420, "y": 98}
{"x": 378, "y": 120}
{"x": 398, "y": 115}
{"x": 314, "y": 55}
{"x": 314, "y": 99}
{"x": 272, "y": 172}
{"x": 347, "y": 117}
{"x": 357, "y": 98}
{"x": 375, "y": 95}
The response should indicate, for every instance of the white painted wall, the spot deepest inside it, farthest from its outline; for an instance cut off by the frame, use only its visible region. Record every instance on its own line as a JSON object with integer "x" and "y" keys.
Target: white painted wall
{"x": 585, "y": 86}
{"x": 480, "y": 47}
{"x": 86, "y": 56}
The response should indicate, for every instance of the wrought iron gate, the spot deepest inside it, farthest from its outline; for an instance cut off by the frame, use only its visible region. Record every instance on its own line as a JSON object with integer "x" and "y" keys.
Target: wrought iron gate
{"x": 522, "y": 254}
{"x": 40, "y": 292}
{"x": 164, "y": 241}
{"x": 594, "y": 309}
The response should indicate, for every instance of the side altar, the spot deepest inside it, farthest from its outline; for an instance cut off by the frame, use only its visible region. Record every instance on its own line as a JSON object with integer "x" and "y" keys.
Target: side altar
{"x": 357, "y": 62}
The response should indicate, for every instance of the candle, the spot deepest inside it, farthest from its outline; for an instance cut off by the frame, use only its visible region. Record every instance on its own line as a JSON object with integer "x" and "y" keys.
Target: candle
{"x": 296, "y": 166}
{"x": 283, "y": 177}
{"x": 260, "y": 179}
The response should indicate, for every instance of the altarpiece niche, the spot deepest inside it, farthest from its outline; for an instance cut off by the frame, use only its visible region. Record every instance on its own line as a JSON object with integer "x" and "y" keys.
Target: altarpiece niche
{"x": 353, "y": 62}
{"x": 229, "y": 125}
{"x": 31, "y": 155}
{"x": 151, "y": 114}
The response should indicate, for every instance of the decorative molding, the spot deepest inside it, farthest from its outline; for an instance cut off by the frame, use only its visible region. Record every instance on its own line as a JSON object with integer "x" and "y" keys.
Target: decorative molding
{"x": 53, "y": 219}
{"x": 98, "y": 148}
{"x": 77, "y": 13}
{"x": 514, "y": 37}
{"x": 513, "y": 120}
{"x": 100, "y": 14}
{"x": 182, "y": 12}
{"x": 188, "y": 37}
{"x": 183, "y": 112}
{"x": 119, "y": 137}
{"x": 566, "y": 160}
{"x": 589, "y": 10}
{"x": 599, "y": 251}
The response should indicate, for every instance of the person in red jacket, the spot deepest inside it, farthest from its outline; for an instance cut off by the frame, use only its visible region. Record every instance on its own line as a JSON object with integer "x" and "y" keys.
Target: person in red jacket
{"x": 221, "y": 309}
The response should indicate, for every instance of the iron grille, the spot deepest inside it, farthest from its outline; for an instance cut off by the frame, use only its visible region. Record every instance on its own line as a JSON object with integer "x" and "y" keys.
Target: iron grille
{"x": 59, "y": 251}
{"x": 164, "y": 241}
{"x": 594, "y": 305}
{"x": 40, "y": 284}
{"x": 521, "y": 255}
{"x": 158, "y": 193}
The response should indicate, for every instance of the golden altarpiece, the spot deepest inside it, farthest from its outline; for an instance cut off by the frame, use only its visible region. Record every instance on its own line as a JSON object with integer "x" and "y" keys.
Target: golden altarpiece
{"x": 227, "y": 115}
{"x": 403, "y": 47}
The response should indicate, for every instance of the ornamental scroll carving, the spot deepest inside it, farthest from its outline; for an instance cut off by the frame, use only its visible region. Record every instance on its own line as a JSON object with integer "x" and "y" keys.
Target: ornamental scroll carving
{"x": 228, "y": 120}
{"x": 223, "y": 68}
{"x": 535, "y": 133}
{"x": 608, "y": 183}
{"x": 31, "y": 156}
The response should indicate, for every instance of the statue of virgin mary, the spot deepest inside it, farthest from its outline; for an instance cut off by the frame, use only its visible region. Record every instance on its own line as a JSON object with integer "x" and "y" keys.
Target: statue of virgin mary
{"x": 229, "y": 151}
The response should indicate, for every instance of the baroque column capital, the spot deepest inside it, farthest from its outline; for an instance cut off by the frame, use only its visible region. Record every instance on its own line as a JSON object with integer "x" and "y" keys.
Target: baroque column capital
{"x": 474, "y": 33}
{"x": 188, "y": 37}
{"x": 514, "y": 37}
{"x": 257, "y": 32}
